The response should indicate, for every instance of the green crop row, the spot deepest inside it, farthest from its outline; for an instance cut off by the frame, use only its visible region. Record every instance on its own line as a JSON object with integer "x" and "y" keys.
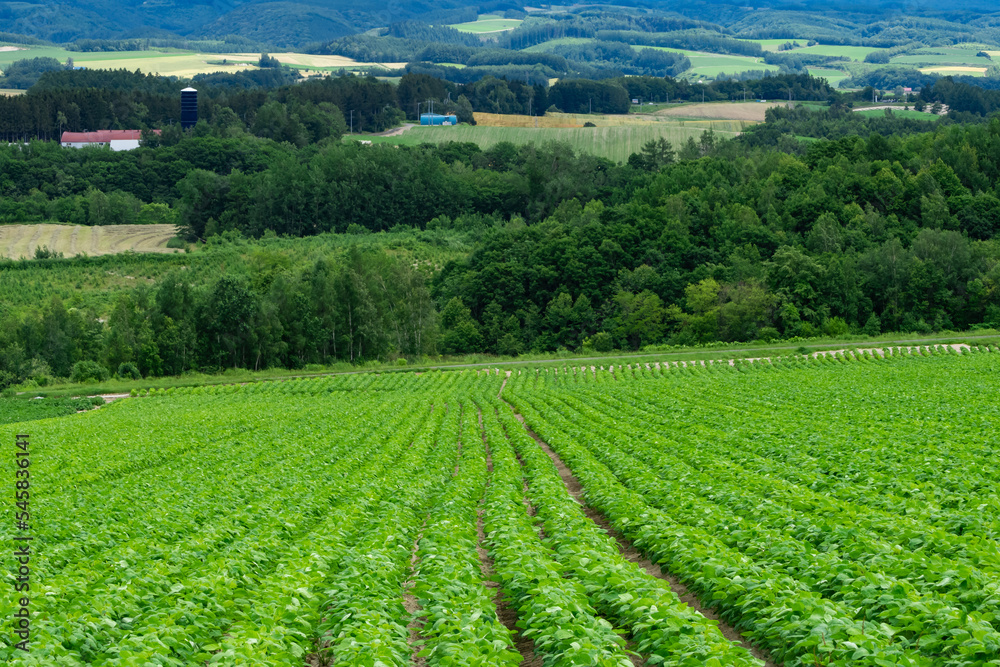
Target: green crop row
{"x": 938, "y": 625}
{"x": 553, "y": 611}
{"x": 772, "y": 608}
{"x": 665, "y": 630}
{"x": 460, "y": 626}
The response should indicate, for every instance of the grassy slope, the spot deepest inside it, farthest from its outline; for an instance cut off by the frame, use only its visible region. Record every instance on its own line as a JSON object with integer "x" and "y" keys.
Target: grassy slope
{"x": 96, "y": 282}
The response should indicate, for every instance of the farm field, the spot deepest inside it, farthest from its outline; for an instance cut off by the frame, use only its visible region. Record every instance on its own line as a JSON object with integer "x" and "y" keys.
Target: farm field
{"x": 171, "y": 62}
{"x": 850, "y": 52}
{"x": 704, "y": 63}
{"x": 614, "y": 143}
{"x": 954, "y": 55}
{"x": 488, "y": 23}
{"x": 563, "y": 120}
{"x": 946, "y": 70}
{"x": 807, "y": 511}
{"x": 10, "y": 91}
{"x": 900, "y": 113}
{"x": 745, "y": 111}
{"x": 833, "y": 76}
{"x": 21, "y": 240}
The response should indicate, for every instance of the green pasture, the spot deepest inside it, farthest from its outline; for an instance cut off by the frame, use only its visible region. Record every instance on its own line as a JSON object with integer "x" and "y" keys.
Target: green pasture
{"x": 612, "y": 142}
{"x": 774, "y": 44}
{"x": 945, "y": 55}
{"x": 899, "y": 113}
{"x": 833, "y": 76}
{"x": 7, "y": 57}
{"x": 936, "y": 57}
{"x": 488, "y": 23}
{"x": 851, "y": 52}
{"x": 713, "y": 64}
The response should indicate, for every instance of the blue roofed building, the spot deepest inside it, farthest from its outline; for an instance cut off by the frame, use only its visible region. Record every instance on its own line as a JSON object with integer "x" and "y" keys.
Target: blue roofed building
{"x": 438, "y": 119}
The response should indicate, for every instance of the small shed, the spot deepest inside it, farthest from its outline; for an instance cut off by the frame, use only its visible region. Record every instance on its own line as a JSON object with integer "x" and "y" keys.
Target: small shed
{"x": 438, "y": 119}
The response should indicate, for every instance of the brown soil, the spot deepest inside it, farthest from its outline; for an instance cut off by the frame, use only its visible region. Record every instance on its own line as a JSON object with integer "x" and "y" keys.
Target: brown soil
{"x": 410, "y": 601}
{"x": 499, "y": 393}
{"x": 505, "y": 614}
{"x": 631, "y": 553}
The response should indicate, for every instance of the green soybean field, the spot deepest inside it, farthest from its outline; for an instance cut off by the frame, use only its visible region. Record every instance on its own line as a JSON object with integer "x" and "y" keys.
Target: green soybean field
{"x": 801, "y": 511}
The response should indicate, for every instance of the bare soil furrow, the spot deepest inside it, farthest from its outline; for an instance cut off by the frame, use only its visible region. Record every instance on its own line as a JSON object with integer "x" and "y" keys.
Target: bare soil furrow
{"x": 633, "y": 554}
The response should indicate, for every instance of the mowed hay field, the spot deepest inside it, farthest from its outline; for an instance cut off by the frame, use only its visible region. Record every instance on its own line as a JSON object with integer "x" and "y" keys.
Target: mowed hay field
{"x": 10, "y": 91}
{"x": 611, "y": 142}
{"x": 18, "y": 241}
{"x": 745, "y": 111}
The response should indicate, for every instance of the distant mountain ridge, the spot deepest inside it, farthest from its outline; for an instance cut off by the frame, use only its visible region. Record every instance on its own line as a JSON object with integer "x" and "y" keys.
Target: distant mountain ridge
{"x": 296, "y": 23}
{"x": 282, "y": 23}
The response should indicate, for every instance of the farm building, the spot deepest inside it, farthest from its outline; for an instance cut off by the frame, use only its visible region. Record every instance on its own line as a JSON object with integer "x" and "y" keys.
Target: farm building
{"x": 117, "y": 140}
{"x": 438, "y": 119}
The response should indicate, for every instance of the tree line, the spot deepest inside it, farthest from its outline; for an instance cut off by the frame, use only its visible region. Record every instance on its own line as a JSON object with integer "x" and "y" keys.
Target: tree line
{"x": 362, "y": 305}
{"x": 710, "y": 240}
{"x": 88, "y": 100}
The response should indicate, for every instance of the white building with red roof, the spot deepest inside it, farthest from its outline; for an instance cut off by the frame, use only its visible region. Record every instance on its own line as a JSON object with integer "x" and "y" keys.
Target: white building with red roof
{"x": 117, "y": 140}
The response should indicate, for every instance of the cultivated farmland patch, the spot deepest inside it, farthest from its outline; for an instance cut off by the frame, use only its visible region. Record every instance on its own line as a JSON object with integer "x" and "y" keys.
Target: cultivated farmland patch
{"x": 403, "y": 519}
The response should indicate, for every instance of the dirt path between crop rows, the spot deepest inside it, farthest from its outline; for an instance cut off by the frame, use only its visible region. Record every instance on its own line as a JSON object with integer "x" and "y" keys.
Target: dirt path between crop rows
{"x": 629, "y": 551}
{"x": 505, "y": 613}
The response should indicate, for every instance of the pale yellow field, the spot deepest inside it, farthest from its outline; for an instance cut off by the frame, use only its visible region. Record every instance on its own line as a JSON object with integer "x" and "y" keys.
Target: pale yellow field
{"x": 953, "y": 68}
{"x": 18, "y": 241}
{"x": 10, "y": 91}
{"x": 310, "y": 60}
{"x": 748, "y": 111}
{"x": 173, "y": 64}
{"x": 187, "y": 64}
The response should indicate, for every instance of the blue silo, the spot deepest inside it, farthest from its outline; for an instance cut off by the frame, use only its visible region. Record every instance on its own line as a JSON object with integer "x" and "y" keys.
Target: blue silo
{"x": 189, "y": 108}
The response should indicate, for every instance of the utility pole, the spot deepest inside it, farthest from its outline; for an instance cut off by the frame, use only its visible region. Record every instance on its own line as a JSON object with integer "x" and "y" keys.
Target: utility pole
{"x": 352, "y": 121}
{"x": 590, "y": 104}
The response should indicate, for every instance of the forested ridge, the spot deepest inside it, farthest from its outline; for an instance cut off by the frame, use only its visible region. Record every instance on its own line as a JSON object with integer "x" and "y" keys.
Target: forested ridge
{"x": 884, "y": 227}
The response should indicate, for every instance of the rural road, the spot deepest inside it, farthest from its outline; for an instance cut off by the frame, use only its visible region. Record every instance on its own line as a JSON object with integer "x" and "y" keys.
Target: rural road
{"x": 396, "y": 131}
